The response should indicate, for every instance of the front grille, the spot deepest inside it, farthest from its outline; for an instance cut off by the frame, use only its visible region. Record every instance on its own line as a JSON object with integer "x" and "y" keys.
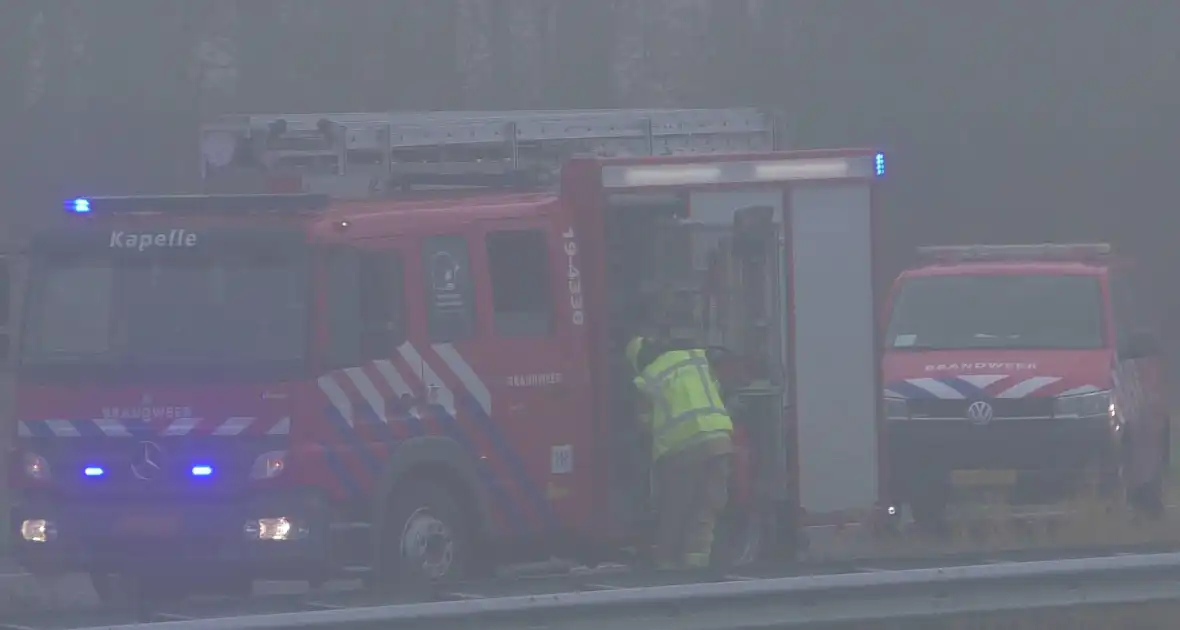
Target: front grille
{"x": 1002, "y": 408}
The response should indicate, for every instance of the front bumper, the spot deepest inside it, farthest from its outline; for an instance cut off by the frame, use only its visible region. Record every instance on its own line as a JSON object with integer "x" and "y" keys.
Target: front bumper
{"x": 167, "y": 536}
{"x": 1047, "y": 455}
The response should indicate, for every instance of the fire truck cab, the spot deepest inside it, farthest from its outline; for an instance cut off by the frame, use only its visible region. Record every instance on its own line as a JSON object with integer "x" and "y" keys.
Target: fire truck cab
{"x": 389, "y": 342}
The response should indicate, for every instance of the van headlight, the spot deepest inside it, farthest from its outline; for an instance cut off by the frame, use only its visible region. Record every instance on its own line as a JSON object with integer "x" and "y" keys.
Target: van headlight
{"x": 1083, "y": 405}
{"x": 896, "y": 409}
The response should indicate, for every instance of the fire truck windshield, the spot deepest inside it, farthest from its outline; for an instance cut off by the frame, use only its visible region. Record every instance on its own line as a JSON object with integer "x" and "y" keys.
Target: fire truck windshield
{"x": 216, "y": 308}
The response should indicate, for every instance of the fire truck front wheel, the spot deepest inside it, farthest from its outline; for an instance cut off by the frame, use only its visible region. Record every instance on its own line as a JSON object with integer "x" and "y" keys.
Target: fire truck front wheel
{"x": 426, "y": 536}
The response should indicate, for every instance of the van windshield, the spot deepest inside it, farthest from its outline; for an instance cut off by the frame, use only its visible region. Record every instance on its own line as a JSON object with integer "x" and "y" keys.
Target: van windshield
{"x": 997, "y": 311}
{"x": 214, "y": 308}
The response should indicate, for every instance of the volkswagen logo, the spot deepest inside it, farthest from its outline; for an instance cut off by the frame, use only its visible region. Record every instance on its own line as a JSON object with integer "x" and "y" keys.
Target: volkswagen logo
{"x": 148, "y": 462}
{"x": 979, "y": 412}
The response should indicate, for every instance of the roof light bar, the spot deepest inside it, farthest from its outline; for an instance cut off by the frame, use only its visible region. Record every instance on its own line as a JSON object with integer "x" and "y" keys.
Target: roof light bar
{"x": 1024, "y": 252}
{"x": 199, "y": 204}
{"x": 781, "y": 170}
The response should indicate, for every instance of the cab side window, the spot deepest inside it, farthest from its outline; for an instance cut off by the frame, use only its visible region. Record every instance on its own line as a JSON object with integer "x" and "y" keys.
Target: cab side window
{"x": 449, "y": 297}
{"x": 366, "y": 305}
{"x": 518, "y": 261}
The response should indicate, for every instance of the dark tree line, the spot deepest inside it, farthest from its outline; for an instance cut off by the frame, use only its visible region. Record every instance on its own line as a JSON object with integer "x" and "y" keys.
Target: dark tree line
{"x": 107, "y": 95}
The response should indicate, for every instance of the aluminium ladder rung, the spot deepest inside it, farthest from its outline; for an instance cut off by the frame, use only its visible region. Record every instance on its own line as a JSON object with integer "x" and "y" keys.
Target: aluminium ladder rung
{"x": 420, "y": 129}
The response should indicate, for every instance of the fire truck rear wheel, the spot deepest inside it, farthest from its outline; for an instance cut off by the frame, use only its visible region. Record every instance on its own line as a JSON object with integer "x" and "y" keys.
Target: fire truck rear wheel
{"x": 428, "y": 534}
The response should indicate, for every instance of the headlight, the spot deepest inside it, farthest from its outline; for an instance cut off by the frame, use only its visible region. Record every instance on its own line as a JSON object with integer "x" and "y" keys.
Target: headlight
{"x": 269, "y": 465}
{"x": 36, "y": 467}
{"x": 1083, "y": 405}
{"x": 896, "y": 409}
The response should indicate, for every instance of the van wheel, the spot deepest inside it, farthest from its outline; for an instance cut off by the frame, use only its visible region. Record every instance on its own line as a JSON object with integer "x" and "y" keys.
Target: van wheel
{"x": 425, "y": 537}
{"x": 1148, "y": 498}
{"x": 929, "y": 514}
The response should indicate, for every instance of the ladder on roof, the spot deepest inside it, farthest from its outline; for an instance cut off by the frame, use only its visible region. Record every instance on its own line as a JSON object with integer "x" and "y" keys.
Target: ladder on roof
{"x": 369, "y": 154}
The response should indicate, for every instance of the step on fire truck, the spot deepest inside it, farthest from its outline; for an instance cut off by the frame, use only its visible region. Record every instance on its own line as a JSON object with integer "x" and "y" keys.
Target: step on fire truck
{"x": 394, "y": 343}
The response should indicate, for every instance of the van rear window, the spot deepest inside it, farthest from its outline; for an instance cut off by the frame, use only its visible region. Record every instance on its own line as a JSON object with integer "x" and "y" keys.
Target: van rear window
{"x": 997, "y": 311}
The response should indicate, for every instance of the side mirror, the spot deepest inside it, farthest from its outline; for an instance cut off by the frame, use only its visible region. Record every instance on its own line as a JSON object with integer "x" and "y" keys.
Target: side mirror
{"x": 1139, "y": 345}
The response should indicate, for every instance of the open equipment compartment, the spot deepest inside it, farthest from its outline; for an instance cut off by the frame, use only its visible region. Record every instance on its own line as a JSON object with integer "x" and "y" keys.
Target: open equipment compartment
{"x": 775, "y": 275}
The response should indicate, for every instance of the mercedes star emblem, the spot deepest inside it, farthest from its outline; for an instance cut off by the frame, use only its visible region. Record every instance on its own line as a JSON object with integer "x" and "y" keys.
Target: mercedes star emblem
{"x": 148, "y": 462}
{"x": 979, "y": 412}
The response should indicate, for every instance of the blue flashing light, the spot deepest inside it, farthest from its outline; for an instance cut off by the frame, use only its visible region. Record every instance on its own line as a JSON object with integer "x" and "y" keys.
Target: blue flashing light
{"x": 200, "y": 204}
{"x": 880, "y": 162}
{"x": 93, "y": 471}
{"x": 202, "y": 470}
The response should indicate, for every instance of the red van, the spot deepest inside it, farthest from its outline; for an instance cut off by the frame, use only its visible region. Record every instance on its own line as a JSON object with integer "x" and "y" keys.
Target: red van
{"x": 1027, "y": 369}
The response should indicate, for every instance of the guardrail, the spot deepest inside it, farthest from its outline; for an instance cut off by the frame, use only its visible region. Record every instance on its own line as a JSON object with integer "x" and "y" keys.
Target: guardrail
{"x": 765, "y": 603}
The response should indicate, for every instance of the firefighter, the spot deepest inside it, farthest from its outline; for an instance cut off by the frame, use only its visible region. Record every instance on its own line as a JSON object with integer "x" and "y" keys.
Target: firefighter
{"x": 691, "y": 448}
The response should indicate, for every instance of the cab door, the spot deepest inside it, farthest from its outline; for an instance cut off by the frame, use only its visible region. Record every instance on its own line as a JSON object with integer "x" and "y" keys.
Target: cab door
{"x": 492, "y": 353}
{"x": 519, "y": 281}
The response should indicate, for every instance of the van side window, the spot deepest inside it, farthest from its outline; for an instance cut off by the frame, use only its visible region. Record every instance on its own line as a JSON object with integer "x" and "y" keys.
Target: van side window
{"x": 366, "y": 305}
{"x": 522, "y": 299}
{"x": 449, "y": 297}
{"x": 1128, "y": 305}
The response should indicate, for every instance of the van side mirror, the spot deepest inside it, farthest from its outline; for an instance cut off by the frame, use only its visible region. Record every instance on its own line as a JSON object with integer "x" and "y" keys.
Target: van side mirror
{"x": 1140, "y": 344}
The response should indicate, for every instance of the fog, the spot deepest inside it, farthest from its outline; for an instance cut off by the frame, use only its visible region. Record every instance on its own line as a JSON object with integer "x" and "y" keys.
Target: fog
{"x": 1004, "y": 121}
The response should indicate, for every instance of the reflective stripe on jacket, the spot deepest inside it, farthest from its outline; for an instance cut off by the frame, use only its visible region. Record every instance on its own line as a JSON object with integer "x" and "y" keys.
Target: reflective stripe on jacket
{"x": 686, "y": 402}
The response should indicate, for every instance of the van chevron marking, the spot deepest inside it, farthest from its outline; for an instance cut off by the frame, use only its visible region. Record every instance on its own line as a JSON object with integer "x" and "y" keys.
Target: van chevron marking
{"x": 982, "y": 380}
{"x": 1084, "y": 389}
{"x": 974, "y": 387}
{"x": 1028, "y": 386}
{"x": 936, "y": 387}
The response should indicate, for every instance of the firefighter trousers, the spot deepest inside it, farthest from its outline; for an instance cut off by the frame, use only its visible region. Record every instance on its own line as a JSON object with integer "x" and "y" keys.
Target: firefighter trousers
{"x": 692, "y": 488}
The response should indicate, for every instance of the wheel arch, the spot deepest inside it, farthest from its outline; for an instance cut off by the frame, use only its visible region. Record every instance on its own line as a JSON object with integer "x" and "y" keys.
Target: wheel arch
{"x": 440, "y": 460}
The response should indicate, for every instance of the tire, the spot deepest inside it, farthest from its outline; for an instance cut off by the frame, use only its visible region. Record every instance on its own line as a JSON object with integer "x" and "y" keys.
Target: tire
{"x": 1148, "y": 499}
{"x": 1111, "y": 480}
{"x": 929, "y": 514}
{"x": 426, "y": 537}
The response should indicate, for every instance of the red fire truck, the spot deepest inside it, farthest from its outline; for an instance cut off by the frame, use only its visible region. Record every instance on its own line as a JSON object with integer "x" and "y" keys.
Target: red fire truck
{"x": 394, "y": 342}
